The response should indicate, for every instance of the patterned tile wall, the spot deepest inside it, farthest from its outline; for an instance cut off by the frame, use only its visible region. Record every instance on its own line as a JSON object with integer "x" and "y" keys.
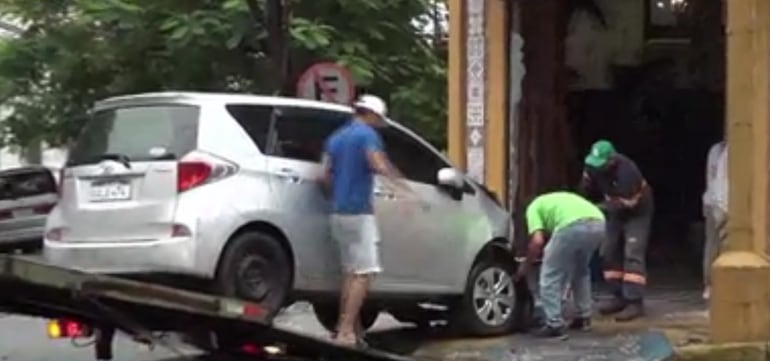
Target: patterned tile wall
{"x": 475, "y": 86}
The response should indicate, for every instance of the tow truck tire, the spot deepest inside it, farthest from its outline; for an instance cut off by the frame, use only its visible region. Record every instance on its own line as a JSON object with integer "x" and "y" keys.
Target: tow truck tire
{"x": 327, "y": 314}
{"x": 255, "y": 267}
{"x": 469, "y": 316}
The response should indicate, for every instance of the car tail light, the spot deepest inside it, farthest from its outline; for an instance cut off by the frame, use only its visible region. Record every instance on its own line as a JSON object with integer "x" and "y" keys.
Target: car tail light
{"x": 68, "y": 329}
{"x": 198, "y": 168}
{"x": 191, "y": 175}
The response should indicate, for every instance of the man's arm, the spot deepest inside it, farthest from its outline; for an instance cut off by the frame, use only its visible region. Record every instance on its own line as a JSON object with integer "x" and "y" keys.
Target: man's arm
{"x": 537, "y": 237}
{"x": 584, "y": 188}
{"x": 534, "y": 250}
{"x": 631, "y": 183}
{"x": 380, "y": 163}
{"x": 326, "y": 173}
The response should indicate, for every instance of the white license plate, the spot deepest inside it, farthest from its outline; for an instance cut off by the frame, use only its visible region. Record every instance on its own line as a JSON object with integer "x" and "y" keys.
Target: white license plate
{"x": 106, "y": 192}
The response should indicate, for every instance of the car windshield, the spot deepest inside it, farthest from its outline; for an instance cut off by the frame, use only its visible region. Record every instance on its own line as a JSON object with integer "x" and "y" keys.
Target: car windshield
{"x": 20, "y": 183}
{"x": 140, "y": 133}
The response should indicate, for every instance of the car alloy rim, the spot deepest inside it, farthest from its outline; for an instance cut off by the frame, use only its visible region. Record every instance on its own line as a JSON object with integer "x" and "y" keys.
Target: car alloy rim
{"x": 494, "y": 296}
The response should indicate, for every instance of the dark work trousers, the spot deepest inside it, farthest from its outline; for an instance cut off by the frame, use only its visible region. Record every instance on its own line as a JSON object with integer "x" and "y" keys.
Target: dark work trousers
{"x": 624, "y": 252}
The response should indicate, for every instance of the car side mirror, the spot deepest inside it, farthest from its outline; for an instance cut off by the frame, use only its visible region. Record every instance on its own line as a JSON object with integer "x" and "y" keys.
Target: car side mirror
{"x": 450, "y": 177}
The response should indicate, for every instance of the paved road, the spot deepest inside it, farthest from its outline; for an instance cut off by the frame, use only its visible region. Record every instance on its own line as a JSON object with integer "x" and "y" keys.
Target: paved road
{"x": 24, "y": 339}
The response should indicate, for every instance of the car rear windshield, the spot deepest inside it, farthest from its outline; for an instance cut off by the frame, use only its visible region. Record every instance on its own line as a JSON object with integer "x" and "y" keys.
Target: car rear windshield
{"x": 140, "y": 133}
{"x": 16, "y": 184}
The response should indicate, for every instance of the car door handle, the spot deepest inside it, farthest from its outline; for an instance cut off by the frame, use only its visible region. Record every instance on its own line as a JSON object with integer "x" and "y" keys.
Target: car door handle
{"x": 383, "y": 193}
{"x": 289, "y": 175}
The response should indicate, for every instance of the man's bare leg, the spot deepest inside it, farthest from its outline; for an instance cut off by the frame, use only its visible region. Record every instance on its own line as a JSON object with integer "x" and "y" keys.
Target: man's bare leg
{"x": 344, "y": 294}
{"x": 359, "y": 287}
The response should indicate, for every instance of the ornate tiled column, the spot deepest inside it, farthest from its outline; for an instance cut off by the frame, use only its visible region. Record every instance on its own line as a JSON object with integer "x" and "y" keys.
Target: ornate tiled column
{"x": 475, "y": 73}
{"x": 478, "y": 83}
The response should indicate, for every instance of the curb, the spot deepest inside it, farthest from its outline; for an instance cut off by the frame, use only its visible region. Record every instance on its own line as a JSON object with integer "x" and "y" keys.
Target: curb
{"x": 754, "y": 351}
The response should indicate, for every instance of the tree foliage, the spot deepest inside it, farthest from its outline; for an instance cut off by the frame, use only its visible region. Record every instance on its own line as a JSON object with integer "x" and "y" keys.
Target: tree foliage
{"x": 74, "y": 52}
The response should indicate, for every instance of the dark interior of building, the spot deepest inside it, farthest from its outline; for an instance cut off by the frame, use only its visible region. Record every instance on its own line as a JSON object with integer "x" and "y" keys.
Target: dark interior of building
{"x": 665, "y": 126}
{"x": 664, "y": 110}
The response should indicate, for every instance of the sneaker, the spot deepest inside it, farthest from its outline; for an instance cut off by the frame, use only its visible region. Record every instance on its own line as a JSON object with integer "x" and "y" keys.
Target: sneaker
{"x": 550, "y": 332}
{"x": 580, "y": 324}
{"x": 612, "y": 305}
{"x": 631, "y": 312}
{"x": 707, "y": 293}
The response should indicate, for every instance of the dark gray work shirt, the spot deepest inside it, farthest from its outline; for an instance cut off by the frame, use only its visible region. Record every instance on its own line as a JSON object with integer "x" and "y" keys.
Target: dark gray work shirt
{"x": 623, "y": 180}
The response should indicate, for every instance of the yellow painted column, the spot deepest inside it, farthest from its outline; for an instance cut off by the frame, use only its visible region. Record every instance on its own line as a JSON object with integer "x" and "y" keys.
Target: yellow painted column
{"x": 456, "y": 83}
{"x": 740, "y": 301}
{"x": 496, "y": 145}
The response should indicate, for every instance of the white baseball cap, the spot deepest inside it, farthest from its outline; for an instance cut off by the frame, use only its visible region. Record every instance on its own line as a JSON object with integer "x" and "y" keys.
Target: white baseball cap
{"x": 373, "y": 104}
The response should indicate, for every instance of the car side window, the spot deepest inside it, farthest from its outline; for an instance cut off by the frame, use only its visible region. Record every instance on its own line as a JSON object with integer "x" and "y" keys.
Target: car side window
{"x": 300, "y": 133}
{"x": 255, "y": 121}
{"x": 414, "y": 160}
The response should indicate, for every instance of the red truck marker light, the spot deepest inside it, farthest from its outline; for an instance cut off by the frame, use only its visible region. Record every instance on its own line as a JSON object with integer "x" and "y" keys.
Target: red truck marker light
{"x": 252, "y": 310}
{"x": 67, "y": 329}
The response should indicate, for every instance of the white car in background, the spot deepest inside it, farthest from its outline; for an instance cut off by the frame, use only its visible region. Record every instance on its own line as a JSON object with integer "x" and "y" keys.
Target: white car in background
{"x": 27, "y": 195}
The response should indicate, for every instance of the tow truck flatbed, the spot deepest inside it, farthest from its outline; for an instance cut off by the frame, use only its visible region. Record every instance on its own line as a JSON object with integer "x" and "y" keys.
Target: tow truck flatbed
{"x": 31, "y": 287}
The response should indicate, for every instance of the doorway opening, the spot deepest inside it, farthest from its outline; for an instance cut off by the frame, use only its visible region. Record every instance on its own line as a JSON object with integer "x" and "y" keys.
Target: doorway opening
{"x": 653, "y": 85}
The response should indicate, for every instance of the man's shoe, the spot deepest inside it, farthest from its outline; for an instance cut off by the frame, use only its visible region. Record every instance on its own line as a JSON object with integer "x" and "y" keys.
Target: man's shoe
{"x": 550, "y": 332}
{"x": 632, "y": 311}
{"x": 580, "y": 324}
{"x": 612, "y": 305}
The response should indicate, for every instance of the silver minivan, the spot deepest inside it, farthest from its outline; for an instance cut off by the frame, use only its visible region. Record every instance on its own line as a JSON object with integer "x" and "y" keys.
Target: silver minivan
{"x": 221, "y": 189}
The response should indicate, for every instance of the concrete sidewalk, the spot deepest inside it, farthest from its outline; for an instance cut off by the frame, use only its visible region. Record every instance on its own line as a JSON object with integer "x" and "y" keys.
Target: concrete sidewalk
{"x": 676, "y": 318}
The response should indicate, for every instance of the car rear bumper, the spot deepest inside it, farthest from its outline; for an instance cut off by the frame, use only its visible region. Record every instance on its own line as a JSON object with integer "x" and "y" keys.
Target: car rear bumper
{"x": 173, "y": 255}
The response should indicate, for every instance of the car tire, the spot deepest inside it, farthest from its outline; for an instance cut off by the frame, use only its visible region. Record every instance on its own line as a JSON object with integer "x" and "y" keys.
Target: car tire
{"x": 255, "y": 267}
{"x": 485, "y": 310}
{"x": 327, "y": 314}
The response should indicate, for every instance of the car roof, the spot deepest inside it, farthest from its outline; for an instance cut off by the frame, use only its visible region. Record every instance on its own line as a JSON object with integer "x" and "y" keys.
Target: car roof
{"x": 240, "y": 98}
{"x": 155, "y": 97}
{"x": 23, "y": 169}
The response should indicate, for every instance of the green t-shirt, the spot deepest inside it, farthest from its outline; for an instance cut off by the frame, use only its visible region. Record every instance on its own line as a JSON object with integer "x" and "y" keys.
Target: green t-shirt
{"x": 553, "y": 211}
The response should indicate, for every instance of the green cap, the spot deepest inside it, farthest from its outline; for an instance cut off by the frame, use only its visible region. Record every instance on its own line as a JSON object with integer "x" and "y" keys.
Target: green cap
{"x": 601, "y": 151}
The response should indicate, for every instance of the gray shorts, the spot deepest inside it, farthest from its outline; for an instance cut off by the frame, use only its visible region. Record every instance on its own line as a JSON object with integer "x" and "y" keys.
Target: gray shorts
{"x": 359, "y": 242}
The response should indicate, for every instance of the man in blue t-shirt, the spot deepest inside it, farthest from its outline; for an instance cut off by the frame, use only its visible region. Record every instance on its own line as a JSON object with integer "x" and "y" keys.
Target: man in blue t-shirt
{"x": 352, "y": 156}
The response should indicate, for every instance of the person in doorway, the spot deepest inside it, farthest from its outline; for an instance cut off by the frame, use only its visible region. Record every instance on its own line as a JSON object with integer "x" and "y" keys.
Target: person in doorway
{"x": 352, "y": 155}
{"x": 714, "y": 209}
{"x": 576, "y": 228}
{"x": 628, "y": 203}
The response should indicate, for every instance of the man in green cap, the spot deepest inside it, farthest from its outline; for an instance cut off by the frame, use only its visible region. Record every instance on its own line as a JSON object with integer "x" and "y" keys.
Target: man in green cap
{"x": 628, "y": 202}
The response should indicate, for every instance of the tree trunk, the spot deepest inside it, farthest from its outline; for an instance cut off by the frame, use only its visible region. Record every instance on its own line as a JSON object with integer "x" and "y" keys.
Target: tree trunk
{"x": 276, "y": 16}
{"x": 544, "y": 141}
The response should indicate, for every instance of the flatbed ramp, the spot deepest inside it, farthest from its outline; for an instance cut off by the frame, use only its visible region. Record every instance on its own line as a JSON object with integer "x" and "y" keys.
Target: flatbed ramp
{"x": 31, "y": 287}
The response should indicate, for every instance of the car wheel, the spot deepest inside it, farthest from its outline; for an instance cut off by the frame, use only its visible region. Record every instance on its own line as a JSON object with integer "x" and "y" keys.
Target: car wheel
{"x": 256, "y": 268}
{"x": 327, "y": 314}
{"x": 488, "y": 306}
